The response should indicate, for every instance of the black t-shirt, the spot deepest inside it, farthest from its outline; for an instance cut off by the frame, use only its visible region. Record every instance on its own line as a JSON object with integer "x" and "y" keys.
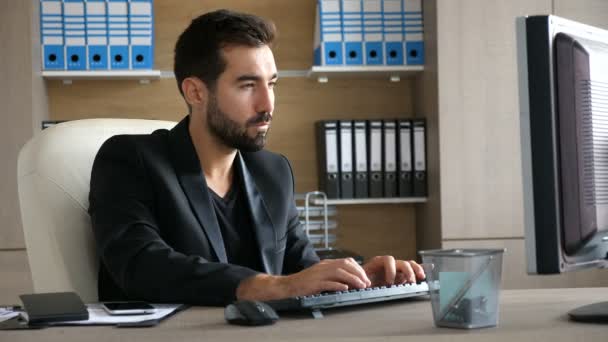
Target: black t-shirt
{"x": 234, "y": 218}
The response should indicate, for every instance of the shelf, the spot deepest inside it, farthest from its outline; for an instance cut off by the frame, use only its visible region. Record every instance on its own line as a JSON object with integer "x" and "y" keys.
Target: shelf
{"x": 394, "y": 200}
{"x": 67, "y": 76}
{"x": 392, "y": 73}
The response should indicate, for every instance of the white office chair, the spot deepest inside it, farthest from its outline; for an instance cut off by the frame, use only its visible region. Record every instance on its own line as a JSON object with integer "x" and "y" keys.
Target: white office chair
{"x": 54, "y": 172}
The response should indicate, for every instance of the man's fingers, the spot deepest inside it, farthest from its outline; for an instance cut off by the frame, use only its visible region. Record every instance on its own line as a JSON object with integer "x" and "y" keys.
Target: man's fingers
{"x": 343, "y": 276}
{"x": 390, "y": 269}
{"x": 405, "y": 268}
{"x": 329, "y": 285}
{"x": 400, "y": 278}
{"x": 418, "y": 270}
{"x": 356, "y": 269}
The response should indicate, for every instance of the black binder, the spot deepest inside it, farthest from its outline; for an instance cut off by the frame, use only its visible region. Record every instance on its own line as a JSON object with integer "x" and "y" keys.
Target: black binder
{"x": 405, "y": 158}
{"x": 360, "y": 161}
{"x": 389, "y": 142}
{"x": 327, "y": 157}
{"x": 345, "y": 129}
{"x": 375, "y": 158}
{"x": 420, "y": 179}
{"x": 44, "y": 308}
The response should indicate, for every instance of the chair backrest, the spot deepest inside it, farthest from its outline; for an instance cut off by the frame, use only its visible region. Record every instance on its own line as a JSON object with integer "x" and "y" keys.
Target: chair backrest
{"x": 54, "y": 172}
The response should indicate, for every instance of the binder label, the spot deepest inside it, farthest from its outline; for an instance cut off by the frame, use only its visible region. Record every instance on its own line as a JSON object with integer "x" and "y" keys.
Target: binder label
{"x": 331, "y": 150}
{"x": 346, "y": 151}
{"x": 360, "y": 148}
{"x": 419, "y": 148}
{"x": 375, "y": 147}
{"x": 406, "y": 151}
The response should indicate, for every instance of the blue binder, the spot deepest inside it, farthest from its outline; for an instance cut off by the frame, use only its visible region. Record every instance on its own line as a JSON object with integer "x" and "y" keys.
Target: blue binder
{"x": 97, "y": 34}
{"x": 330, "y": 14}
{"x": 74, "y": 34}
{"x": 372, "y": 32}
{"x": 118, "y": 33}
{"x": 392, "y": 28}
{"x": 352, "y": 28}
{"x": 413, "y": 32}
{"x": 141, "y": 34}
{"x": 51, "y": 34}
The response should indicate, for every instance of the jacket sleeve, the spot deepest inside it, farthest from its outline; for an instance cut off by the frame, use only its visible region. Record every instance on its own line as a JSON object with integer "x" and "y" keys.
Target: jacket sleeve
{"x": 130, "y": 243}
{"x": 299, "y": 251}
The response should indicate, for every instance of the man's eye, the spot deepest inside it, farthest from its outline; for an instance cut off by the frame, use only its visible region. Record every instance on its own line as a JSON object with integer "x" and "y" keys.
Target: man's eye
{"x": 248, "y": 85}
{"x": 272, "y": 84}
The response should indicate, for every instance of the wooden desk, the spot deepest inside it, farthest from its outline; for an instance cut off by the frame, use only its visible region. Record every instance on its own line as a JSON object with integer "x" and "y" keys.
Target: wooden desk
{"x": 525, "y": 315}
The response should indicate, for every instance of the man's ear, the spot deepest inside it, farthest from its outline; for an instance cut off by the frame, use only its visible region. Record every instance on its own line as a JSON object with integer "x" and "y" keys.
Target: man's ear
{"x": 195, "y": 91}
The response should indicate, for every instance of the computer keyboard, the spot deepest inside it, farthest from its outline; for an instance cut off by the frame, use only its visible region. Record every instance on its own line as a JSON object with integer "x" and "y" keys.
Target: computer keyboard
{"x": 350, "y": 297}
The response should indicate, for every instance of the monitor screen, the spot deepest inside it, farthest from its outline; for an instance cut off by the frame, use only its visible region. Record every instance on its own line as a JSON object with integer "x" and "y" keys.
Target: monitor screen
{"x": 563, "y": 90}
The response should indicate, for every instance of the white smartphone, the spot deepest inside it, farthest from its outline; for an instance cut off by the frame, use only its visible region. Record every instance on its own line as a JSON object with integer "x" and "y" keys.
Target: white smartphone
{"x": 128, "y": 308}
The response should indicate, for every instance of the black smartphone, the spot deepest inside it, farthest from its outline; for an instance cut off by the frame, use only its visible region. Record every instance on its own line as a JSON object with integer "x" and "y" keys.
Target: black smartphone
{"x": 128, "y": 308}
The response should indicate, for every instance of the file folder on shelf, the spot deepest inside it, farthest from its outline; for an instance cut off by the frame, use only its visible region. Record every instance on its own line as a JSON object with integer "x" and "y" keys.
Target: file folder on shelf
{"x": 141, "y": 33}
{"x": 74, "y": 35}
{"x": 346, "y": 159}
{"x": 392, "y": 28}
{"x": 328, "y": 37}
{"x": 390, "y": 158}
{"x": 118, "y": 34}
{"x": 327, "y": 157}
{"x": 372, "y": 32}
{"x": 420, "y": 178}
{"x": 97, "y": 34}
{"x": 352, "y": 28}
{"x": 413, "y": 32}
{"x": 375, "y": 159}
{"x": 51, "y": 34}
{"x": 405, "y": 158}
{"x": 360, "y": 162}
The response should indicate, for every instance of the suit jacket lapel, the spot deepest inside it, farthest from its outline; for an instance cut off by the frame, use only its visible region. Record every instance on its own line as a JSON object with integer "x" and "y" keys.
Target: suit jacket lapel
{"x": 262, "y": 224}
{"x": 188, "y": 170}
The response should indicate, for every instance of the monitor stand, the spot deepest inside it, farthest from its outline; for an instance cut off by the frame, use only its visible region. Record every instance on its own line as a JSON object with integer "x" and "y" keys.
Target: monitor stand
{"x": 592, "y": 313}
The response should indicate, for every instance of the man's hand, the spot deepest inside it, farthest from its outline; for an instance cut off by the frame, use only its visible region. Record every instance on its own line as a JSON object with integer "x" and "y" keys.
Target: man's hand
{"x": 327, "y": 275}
{"x": 385, "y": 270}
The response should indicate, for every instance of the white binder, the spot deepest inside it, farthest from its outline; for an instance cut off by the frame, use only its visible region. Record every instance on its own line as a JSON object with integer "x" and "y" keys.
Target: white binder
{"x": 372, "y": 32}
{"x": 413, "y": 30}
{"x": 352, "y": 27}
{"x": 392, "y": 28}
{"x": 118, "y": 34}
{"x": 74, "y": 32}
{"x": 51, "y": 34}
{"x": 141, "y": 34}
{"x": 328, "y": 33}
{"x": 97, "y": 34}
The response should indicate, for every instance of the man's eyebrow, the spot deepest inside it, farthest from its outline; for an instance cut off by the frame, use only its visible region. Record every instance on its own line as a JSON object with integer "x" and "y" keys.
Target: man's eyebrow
{"x": 254, "y": 78}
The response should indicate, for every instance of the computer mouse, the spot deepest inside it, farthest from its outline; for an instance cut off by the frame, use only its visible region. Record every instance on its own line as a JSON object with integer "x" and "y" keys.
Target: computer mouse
{"x": 248, "y": 312}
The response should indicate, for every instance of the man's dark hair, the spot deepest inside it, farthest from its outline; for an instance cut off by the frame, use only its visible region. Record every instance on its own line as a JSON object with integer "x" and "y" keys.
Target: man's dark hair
{"x": 198, "y": 49}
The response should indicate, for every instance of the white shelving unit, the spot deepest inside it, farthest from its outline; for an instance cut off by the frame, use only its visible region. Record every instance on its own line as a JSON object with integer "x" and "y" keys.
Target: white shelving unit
{"x": 392, "y": 73}
{"x": 393, "y": 200}
{"x": 67, "y": 76}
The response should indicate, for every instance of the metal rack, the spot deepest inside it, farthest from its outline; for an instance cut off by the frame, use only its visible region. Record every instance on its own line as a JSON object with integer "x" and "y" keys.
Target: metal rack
{"x": 318, "y": 220}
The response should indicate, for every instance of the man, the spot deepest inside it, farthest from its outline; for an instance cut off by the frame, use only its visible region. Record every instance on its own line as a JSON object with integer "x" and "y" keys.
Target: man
{"x": 200, "y": 214}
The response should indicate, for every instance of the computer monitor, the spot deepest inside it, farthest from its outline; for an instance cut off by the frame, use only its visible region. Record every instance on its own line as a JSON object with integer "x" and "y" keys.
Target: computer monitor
{"x": 563, "y": 91}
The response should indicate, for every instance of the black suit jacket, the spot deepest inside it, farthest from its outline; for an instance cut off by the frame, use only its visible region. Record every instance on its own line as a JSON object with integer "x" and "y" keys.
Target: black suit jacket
{"x": 155, "y": 226}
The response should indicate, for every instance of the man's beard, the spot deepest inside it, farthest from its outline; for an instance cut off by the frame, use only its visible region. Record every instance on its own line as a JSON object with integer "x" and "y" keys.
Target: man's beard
{"x": 231, "y": 133}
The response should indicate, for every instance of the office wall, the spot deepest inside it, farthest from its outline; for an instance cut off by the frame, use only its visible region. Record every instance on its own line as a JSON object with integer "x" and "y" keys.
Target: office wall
{"x": 23, "y": 99}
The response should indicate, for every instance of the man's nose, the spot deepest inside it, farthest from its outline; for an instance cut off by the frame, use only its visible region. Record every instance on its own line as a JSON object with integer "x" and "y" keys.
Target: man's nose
{"x": 265, "y": 100}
